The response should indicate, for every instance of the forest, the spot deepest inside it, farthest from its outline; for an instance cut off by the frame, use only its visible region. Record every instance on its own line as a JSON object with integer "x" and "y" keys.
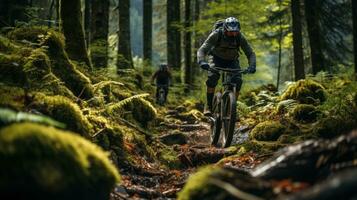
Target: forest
{"x": 178, "y": 99}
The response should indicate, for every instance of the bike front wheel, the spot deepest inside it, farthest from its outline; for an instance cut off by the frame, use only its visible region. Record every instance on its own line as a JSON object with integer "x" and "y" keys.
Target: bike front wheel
{"x": 229, "y": 114}
{"x": 216, "y": 125}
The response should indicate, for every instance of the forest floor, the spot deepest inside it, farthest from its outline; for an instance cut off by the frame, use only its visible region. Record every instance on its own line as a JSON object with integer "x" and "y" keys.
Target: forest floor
{"x": 151, "y": 181}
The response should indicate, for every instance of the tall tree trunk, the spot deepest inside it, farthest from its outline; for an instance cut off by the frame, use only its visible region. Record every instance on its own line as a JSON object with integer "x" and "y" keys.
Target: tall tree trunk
{"x": 173, "y": 34}
{"x": 4, "y": 13}
{"x": 312, "y": 19}
{"x": 72, "y": 28}
{"x": 187, "y": 41}
{"x": 12, "y": 11}
{"x": 87, "y": 20}
{"x": 354, "y": 19}
{"x": 124, "y": 48}
{"x": 196, "y": 18}
{"x": 280, "y": 40}
{"x": 297, "y": 40}
{"x": 99, "y": 28}
{"x": 147, "y": 32}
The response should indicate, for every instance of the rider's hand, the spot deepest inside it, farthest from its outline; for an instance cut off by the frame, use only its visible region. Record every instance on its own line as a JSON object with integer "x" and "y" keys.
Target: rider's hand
{"x": 251, "y": 70}
{"x": 204, "y": 65}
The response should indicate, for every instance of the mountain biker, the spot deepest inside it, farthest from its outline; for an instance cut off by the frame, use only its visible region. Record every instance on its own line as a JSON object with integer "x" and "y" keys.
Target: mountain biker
{"x": 223, "y": 47}
{"x": 163, "y": 79}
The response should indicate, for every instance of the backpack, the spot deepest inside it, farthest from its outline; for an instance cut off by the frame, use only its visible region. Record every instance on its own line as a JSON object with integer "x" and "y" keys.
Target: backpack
{"x": 218, "y": 25}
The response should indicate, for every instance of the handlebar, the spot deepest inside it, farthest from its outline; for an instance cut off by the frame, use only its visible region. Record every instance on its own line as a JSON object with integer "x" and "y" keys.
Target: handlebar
{"x": 243, "y": 71}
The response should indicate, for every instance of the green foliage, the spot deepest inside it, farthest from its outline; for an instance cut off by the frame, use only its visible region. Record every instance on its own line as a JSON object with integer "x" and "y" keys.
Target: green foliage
{"x": 40, "y": 162}
{"x": 267, "y": 131}
{"x": 305, "y": 113}
{"x": 65, "y": 69}
{"x": 12, "y": 97}
{"x": 11, "y": 70}
{"x": 142, "y": 110}
{"x": 30, "y": 34}
{"x": 64, "y": 110}
{"x": 8, "y": 116}
{"x": 305, "y": 91}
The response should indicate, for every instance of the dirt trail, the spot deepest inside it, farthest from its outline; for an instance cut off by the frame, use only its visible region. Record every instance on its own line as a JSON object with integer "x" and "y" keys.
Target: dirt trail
{"x": 151, "y": 181}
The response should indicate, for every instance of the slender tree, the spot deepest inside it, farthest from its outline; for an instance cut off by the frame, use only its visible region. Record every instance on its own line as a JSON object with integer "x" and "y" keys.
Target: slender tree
{"x": 313, "y": 29}
{"x": 196, "y": 18}
{"x": 99, "y": 27}
{"x": 87, "y": 20}
{"x": 297, "y": 40}
{"x": 72, "y": 28}
{"x": 4, "y": 13}
{"x": 173, "y": 34}
{"x": 147, "y": 30}
{"x": 354, "y": 19}
{"x": 124, "y": 46}
{"x": 187, "y": 44}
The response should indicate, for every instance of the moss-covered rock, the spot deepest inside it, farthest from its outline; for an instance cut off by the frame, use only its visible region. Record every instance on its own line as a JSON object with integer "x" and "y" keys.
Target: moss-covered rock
{"x": 30, "y": 34}
{"x": 11, "y": 70}
{"x": 333, "y": 126}
{"x": 12, "y": 97}
{"x": 198, "y": 186}
{"x": 39, "y": 162}
{"x": 267, "y": 131}
{"x": 305, "y": 91}
{"x": 305, "y": 113}
{"x": 64, "y": 110}
{"x": 212, "y": 182}
{"x": 286, "y": 106}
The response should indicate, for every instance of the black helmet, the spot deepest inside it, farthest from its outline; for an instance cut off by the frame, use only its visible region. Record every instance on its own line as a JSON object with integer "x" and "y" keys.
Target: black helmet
{"x": 231, "y": 26}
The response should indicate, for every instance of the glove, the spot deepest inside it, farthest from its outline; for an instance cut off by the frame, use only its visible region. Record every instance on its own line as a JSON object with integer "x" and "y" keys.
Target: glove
{"x": 251, "y": 70}
{"x": 203, "y": 65}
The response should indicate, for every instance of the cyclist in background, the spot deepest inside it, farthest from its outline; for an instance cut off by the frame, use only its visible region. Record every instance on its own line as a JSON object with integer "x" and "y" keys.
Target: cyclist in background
{"x": 163, "y": 79}
{"x": 223, "y": 45}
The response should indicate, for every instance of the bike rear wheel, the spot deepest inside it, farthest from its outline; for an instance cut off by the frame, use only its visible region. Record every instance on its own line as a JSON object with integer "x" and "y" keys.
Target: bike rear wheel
{"x": 229, "y": 114}
{"x": 216, "y": 125}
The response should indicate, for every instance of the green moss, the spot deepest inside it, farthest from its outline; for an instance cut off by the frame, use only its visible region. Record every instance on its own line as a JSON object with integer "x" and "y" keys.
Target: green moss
{"x": 11, "y": 70}
{"x": 64, "y": 69}
{"x": 305, "y": 91}
{"x": 333, "y": 126}
{"x": 198, "y": 186}
{"x": 39, "y": 162}
{"x": 31, "y": 34}
{"x": 169, "y": 158}
{"x": 99, "y": 52}
{"x": 267, "y": 131}
{"x": 305, "y": 113}
{"x": 40, "y": 77}
{"x": 285, "y": 106}
{"x": 12, "y": 97}
{"x": 64, "y": 110}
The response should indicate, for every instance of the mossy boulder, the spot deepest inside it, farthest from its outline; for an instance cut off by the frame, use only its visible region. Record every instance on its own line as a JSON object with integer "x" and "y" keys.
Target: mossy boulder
{"x": 211, "y": 183}
{"x": 305, "y": 113}
{"x": 12, "y": 97}
{"x": 39, "y": 162}
{"x": 198, "y": 186}
{"x": 30, "y": 34}
{"x": 64, "y": 110}
{"x": 11, "y": 70}
{"x": 267, "y": 131}
{"x": 333, "y": 126}
{"x": 306, "y": 92}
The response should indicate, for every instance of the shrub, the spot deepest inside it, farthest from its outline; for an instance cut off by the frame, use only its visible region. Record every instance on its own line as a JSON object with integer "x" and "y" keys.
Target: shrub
{"x": 267, "y": 131}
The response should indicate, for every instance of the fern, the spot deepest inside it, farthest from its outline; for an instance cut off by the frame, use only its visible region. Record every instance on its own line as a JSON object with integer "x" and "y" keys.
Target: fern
{"x": 120, "y": 105}
{"x": 102, "y": 84}
{"x": 8, "y": 116}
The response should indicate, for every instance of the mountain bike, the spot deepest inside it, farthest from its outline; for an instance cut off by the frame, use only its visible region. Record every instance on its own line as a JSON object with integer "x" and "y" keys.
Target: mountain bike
{"x": 224, "y": 105}
{"x": 161, "y": 98}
